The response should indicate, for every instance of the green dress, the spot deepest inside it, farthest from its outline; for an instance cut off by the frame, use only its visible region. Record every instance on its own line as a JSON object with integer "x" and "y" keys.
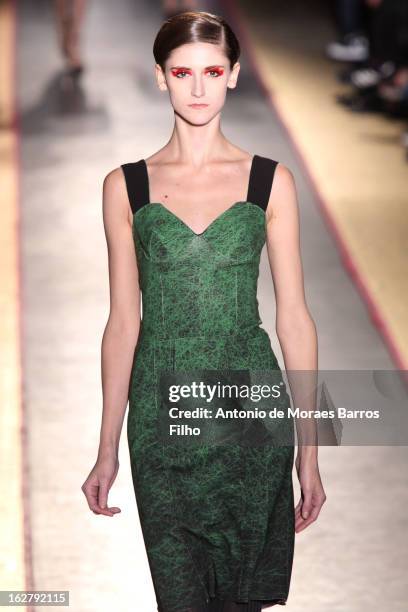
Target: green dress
{"x": 217, "y": 520}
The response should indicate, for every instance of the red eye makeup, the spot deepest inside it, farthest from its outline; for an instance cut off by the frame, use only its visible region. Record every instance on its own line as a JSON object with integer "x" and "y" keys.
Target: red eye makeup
{"x": 179, "y": 70}
{"x": 217, "y": 69}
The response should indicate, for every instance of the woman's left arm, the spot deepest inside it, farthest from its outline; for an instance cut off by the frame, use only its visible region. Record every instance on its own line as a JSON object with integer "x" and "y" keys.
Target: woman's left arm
{"x": 295, "y": 327}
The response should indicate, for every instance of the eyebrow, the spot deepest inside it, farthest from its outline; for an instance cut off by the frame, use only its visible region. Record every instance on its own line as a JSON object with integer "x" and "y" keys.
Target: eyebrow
{"x": 206, "y": 68}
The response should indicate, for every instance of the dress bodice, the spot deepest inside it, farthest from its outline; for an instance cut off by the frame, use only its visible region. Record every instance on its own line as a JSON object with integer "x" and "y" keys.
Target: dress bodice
{"x": 199, "y": 284}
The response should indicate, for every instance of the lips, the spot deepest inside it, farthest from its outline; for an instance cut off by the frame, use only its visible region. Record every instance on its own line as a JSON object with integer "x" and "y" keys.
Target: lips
{"x": 198, "y": 105}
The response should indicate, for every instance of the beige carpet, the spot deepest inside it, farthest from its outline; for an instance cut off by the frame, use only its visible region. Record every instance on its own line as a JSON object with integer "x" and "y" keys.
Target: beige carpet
{"x": 356, "y": 161}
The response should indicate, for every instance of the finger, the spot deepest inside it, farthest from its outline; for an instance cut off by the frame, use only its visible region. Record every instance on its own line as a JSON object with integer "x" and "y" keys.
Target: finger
{"x": 307, "y": 504}
{"x": 298, "y": 506}
{"x": 301, "y": 523}
{"x": 103, "y": 493}
{"x": 92, "y": 497}
{"x": 114, "y": 510}
{"x": 91, "y": 494}
{"x": 96, "y": 509}
{"x": 298, "y": 515}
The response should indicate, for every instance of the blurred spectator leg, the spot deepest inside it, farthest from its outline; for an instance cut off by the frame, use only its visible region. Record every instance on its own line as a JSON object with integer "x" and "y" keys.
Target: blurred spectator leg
{"x": 388, "y": 44}
{"x": 384, "y": 26}
{"x": 69, "y": 18}
{"x": 349, "y": 16}
{"x": 62, "y": 19}
{"x": 352, "y": 45}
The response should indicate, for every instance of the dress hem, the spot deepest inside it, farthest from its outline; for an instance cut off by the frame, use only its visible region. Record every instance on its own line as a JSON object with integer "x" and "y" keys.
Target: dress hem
{"x": 254, "y": 599}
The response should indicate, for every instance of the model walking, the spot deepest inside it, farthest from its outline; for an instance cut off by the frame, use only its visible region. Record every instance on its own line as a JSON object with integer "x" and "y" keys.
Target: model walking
{"x": 185, "y": 229}
{"x": 69, "y": 16}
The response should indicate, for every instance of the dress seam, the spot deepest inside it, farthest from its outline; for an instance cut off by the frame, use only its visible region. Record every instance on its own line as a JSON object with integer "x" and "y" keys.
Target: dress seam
{"x": 241, "y": 530}
{"x": 180, "y": 532}
{"x": 169, "y": 483}
{"x": 236, "y": 297}
{"x": 162, "y": 300}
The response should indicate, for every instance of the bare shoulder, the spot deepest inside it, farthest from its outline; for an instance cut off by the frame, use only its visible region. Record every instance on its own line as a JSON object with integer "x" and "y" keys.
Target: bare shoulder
{"x": 283, "y": 193}
{"x": 115, "y": 197}
{"x": 114, "y": 182}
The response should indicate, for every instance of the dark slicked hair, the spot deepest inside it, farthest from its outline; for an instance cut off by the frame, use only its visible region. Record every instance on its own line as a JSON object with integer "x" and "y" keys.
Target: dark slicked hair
{"x": 195, "y": 26}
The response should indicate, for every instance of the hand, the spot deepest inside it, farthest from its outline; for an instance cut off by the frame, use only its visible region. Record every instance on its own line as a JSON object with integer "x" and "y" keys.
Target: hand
{"x": 313, "y": 495}
{"x": 98, "y": 483}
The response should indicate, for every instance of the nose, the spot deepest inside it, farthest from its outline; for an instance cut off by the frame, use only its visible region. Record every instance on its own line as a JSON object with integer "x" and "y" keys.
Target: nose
{"x": 198, "y": 89}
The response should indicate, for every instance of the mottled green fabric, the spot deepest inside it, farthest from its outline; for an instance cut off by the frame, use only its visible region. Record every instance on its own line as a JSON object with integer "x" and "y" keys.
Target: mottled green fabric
{"x": 217, "y": 521}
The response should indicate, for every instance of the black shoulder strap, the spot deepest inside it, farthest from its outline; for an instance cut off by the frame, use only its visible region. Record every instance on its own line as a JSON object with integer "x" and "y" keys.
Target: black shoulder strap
{"x": 260, "y": 180}
{"x": 137, "y": 183}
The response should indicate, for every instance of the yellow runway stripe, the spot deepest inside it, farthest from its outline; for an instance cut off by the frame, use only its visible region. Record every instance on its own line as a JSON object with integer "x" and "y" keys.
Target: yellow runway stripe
{"x": 356, "y": 165}
{"x": 13, "y": 575}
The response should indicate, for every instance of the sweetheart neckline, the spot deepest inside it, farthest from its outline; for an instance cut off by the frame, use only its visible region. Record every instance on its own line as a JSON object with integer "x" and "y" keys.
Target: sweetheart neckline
{"x": 172, "y": 214}
{"x": 161, "y": 205}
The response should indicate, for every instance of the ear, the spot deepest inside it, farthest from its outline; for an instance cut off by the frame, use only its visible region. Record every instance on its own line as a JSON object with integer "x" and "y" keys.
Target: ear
{"x": 233, "y": 77}
{"x": 160, "y": 78}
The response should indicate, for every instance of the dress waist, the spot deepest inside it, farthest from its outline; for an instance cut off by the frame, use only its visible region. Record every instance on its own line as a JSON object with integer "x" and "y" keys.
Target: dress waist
{"x": 240, "y": 333}
{"x": 244, "y": 348}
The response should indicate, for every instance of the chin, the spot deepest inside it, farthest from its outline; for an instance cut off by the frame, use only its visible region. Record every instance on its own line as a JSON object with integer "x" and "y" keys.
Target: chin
{"x": 197, "y": 117}
{"x": 202, "y": 116}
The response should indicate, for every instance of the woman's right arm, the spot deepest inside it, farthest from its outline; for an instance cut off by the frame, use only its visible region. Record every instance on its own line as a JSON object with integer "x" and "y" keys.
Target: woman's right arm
{"x": 119, "y": 338}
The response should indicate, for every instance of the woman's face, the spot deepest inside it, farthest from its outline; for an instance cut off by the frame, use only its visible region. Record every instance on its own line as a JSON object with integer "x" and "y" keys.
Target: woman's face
{"x": 197, "y": 74}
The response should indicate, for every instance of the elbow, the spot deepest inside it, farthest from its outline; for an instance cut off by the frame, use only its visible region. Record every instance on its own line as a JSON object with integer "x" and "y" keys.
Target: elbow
{"x": 124, "y": 328}
{"x": 296, "y": 325}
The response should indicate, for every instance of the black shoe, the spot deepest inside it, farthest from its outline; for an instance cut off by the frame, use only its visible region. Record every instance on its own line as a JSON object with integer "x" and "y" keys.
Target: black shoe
{"x": 359, "y": 103}
{"x": 75, "y": 72}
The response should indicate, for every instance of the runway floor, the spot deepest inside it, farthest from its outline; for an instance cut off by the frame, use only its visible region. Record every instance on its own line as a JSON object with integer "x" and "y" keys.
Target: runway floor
{"x": 352, "y": 558}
